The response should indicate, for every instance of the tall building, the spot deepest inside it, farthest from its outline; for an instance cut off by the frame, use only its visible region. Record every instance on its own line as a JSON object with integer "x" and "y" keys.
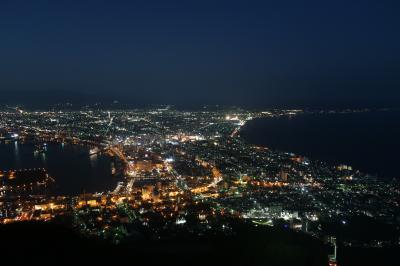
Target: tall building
{"x": 283, "y": 175}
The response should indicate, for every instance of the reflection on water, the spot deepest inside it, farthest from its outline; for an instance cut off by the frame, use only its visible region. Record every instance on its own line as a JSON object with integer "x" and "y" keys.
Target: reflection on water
{"x": 43, "y": 157}
{"x": 72, "y": 167}
{"x": 16, "y": 154}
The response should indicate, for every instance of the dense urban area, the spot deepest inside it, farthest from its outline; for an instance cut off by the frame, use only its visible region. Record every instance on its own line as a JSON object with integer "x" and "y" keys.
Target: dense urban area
{"x": 191, "y": 172}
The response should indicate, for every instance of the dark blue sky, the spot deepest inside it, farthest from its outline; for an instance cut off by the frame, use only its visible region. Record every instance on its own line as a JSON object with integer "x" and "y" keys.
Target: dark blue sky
{"x": 186, "y": 52}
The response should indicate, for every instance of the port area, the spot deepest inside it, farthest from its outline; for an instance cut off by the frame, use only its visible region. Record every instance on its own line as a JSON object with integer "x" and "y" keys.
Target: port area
{"x": 24, "y": 181}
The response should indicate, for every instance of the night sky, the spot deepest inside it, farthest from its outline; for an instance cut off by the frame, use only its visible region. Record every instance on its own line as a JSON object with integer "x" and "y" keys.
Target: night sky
{"x": 253, "y": 53}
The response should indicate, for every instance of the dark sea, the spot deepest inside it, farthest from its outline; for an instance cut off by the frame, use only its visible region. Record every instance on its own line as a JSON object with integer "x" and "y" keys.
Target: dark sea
{"x": 71, "y": 166}
{"x": 368, "y": 141}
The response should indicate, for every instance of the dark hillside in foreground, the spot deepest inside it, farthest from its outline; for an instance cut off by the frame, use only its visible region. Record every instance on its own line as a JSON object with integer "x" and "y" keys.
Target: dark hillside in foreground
{"x": 52, "y": 243}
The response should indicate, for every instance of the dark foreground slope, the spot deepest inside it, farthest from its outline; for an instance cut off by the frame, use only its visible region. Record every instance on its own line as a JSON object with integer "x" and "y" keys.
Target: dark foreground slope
{"x": 52, "y": 243}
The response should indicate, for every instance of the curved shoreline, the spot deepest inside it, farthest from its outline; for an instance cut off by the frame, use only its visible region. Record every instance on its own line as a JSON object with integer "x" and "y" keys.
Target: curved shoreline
{"x": 351, "y": 139}
{"x": 70, "y": 169}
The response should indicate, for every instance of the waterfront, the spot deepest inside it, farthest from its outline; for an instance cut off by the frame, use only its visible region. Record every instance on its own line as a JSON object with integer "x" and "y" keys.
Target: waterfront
{"x": 71, "y": 166}
{"x": 188, "y": 172}
{"x": 367, "y": 141}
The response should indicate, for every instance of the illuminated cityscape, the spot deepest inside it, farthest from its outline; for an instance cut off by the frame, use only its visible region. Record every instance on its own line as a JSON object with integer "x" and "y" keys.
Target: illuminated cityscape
{"x": 248, "y": 133}
{"x": 187, "y": 171}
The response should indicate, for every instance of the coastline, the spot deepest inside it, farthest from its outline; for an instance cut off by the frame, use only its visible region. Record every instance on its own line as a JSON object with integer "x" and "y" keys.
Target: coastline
{"x": 340, "y": 138}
